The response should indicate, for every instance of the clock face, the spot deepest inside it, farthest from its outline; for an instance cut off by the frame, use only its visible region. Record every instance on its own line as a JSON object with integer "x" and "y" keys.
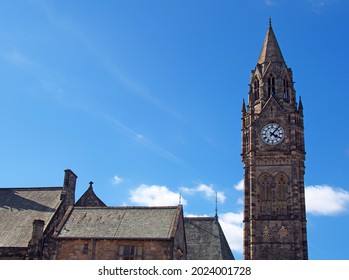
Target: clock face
{"x": 272, "y": 134}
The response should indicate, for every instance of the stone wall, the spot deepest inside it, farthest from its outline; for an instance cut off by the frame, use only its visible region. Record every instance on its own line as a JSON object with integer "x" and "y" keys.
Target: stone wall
{"x": 106, "y": 249}
{"x": 13, "y": 253}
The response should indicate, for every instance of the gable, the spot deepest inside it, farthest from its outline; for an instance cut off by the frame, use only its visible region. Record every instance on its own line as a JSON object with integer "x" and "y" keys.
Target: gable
{"x": 89, "y": 198}
{"x": 271, "y": 109}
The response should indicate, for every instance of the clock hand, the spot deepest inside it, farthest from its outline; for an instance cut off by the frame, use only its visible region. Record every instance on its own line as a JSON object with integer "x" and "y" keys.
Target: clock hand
{"x": 273, "y": 133}
{"x": 276, "y": 129}
{"x": 276, "y": 134}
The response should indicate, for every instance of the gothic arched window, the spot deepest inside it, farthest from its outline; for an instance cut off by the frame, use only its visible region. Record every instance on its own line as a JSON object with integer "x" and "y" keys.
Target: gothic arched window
{"x": 271, "y": 85}
{"x": 281, "y": 186}
{"x": 286, "y": 90}
{"x": 265, "y": 183}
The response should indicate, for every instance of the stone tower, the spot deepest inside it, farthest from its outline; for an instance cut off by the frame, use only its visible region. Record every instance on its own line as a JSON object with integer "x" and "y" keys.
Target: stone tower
{"x": 273, "y": 155}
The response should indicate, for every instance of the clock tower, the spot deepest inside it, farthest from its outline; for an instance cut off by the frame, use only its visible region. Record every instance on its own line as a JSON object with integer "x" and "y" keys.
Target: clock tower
{"x": 273, "y": 155}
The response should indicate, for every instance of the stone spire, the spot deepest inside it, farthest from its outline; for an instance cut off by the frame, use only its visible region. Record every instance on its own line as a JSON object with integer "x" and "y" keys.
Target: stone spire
{"x": 270, "y": 51}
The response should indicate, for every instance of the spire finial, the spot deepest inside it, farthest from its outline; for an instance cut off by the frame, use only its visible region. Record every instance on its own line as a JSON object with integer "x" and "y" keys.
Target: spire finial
{"x": 91, "y": 183}
{"x": 180, "y": 198}
{"x": 269, "y": 22}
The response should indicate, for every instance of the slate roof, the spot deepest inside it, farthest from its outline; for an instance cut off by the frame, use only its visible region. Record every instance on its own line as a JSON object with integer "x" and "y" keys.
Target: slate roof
{"x": 19, "y": 207}
{"x": 121, "y": 222}
{"x": 206, "y": 240}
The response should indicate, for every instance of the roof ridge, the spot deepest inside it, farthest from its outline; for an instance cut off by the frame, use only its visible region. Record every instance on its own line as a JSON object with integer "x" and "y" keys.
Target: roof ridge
{"x": 201, "y": 218}
{"x": 127, "y": 207}
{"x": 32, "y": 188}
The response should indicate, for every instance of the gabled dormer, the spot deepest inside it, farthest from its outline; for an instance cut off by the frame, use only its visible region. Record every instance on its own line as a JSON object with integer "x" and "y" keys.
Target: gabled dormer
{"x": 89, "y": 198}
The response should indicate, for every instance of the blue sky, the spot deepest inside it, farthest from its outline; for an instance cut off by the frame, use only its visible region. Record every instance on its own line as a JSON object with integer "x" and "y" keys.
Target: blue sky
{"x": 144, "y": 98}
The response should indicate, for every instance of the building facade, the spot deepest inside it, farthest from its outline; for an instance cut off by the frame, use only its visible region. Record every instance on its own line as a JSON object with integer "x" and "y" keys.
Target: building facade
{"x": 47, "y": 223}
{"x": 121, "y": 233}
{"x": 273, "y": 155}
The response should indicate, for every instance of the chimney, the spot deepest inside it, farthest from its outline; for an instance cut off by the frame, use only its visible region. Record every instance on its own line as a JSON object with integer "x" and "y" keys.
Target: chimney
{"x": 69, "y": 184}
{"x": 38, "y": 230}
{"x": 35, "y": 248}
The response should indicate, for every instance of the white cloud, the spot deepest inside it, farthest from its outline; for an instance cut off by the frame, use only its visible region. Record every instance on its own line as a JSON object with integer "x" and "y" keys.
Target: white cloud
{"x": 232, "y": 226}
{"x": 155, "y": 196}
{"x": 240, "y": 185}
{"x": 193, "y": 215}
{"x": 116, "y": 180}
{"x": 326, "y": 200}
{"x": 208, "y": 191}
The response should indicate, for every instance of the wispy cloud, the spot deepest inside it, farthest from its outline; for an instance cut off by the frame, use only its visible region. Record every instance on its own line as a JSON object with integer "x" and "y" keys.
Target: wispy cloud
{"x": 155, "y": 195}
{"x": 135, "y": 87}
{"x": 271, "y": 2}
{"x": 325, "y": 200}
{"x": 138, "y": 89}
{"x": 317, "y": 6}
{"x": 207, "y": 190}
{"x": 319, "y": 3}
{"x": 42, "y": 75}
{"x": 19, "y": 60}
{"x": 140, "y": 138}
{"x": 63, "y": 22}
